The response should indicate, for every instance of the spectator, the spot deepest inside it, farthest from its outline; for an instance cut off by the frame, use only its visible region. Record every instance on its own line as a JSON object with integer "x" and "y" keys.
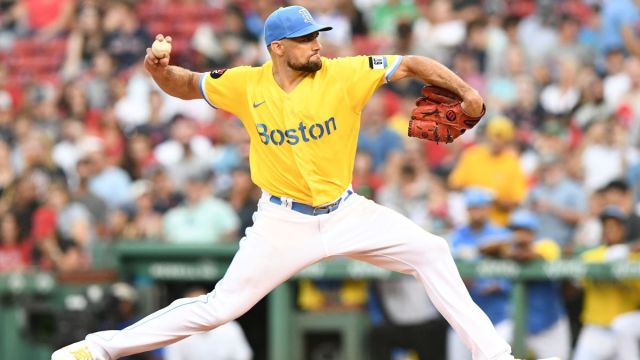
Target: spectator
{"x": 138, "y": 155}
{"x": 108, "y": 182}
{"x": 98, "y": 84}
{"x": 619, "y": 19}
{"x": 84, "y": 42}
{"x": 386, "y": 15}
{"x": 226, "y": 342}
{"x": 604, "y": 154}
{"x": 15, "y": 253}
{"x": 476, "y": 240}
{"x": 122, "y": 303}
{"x": 616, "y": 81}
{"x": 407, "y": 319}
{"x": 604, "y": 300}
{"x": 156, "y": 126}
{"x": 558, "y": 201}
{"x": 407, "y": 195}
{"x": 65, "y": 151}
{"x": 46, "y": 19}
{"x": 592, "y": 107}
{"x": 366, "y": 181}
{"x": 561, "y": 97}
{"x": 437, "y": 31}
{"x": 568, "y": 45}
{"x": 165, "y": 195}
{"x": 548, "y": 332}
{"x": 618, "y": 194}
{"x": 376, "y": 137}
{"x": 202, "y": 218}
{"x": 588, "y": 233}
{"x": 81, "y": 194}
{"x": 145, "y": 223}
{"x": 243, "y": 197}
{"x": 124, "y": 38}
{"x": 185, "y": 152}
{"x": 501, "y": 86}
{"x": 231, "y": 45}
{"x": 63, "y": 232}
{"x": 493, "y": 165}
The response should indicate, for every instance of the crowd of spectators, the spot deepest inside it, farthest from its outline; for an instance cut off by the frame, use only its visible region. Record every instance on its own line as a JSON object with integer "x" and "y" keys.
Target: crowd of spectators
{"x": 92, "y": 151}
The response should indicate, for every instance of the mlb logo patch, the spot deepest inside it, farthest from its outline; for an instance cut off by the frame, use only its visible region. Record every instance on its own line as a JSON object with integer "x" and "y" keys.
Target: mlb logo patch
{"x": 377, "y": 62}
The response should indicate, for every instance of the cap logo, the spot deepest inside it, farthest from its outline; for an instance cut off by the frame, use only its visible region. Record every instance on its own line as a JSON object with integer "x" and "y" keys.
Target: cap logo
{"x": 306, "y": 15}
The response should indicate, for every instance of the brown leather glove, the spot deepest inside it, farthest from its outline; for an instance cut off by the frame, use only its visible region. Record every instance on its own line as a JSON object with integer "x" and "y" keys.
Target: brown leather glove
{"x": 438, "y": 116}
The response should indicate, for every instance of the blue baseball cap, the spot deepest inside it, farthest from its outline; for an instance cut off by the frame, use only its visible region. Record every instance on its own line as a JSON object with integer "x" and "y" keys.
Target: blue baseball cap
{"x": 524, "y": 219}
{"x": 290, "y": 22}
{"x": 613, "y": 212}
{"x": 477, "y": 197}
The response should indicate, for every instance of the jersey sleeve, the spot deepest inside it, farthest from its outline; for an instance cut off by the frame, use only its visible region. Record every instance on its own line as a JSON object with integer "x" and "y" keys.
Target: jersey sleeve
{"x": 225, "y": 88}
{"x": 365, "y": 74}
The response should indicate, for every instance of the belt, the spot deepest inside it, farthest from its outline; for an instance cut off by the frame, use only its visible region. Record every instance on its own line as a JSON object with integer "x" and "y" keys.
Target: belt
{"x": 310, "y": 210}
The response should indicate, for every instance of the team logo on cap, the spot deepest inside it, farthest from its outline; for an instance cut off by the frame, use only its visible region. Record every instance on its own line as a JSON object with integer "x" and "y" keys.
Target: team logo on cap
{"x": 306, "y": 15}
{"x": 217, "y": 73}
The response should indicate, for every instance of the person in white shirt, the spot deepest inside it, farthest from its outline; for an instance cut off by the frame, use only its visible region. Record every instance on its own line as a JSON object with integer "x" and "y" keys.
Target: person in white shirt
{"x": 226, "y": 342}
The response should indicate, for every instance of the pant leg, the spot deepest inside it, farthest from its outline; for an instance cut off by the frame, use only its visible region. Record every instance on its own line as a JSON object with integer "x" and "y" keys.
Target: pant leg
{"x": 626, "y": 328}
{"x": 555, "y": 341}
{"x": 280, "y": 243}
{"x": 456, "y": 350}
{"x": 367, "y": 231}
{"x": 595, "y": 343}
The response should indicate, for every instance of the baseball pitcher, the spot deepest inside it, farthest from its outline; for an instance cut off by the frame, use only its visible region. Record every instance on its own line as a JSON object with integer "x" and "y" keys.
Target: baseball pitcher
{"x": 302, "y": 112}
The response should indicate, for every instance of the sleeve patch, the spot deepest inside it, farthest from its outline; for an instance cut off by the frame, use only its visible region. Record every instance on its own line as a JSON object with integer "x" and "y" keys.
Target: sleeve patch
{"x": 377, "y": 62}
{"x": 217, "y": 73}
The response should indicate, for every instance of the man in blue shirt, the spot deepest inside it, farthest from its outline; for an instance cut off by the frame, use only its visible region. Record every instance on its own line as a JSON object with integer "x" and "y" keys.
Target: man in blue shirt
{"x": 547, "y": 323}
{"x": 620, "y": 25}
{"x": 376, "y": 137}
{"x": 559, "y": 201}
{"x": 471, "y": 242}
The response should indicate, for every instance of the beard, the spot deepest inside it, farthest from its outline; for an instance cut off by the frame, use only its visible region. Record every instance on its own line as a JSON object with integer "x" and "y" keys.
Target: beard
{"x": 309, "y": 67}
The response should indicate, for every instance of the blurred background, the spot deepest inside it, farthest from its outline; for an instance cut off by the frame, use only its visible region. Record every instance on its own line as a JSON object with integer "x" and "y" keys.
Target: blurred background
{"x": 116, "y": 199}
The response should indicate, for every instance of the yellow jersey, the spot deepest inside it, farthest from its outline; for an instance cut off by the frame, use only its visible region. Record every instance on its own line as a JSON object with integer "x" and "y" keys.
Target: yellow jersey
{"x": 303, "y": 142}
{"x": 606, "y": 299}
{"x": 501, "y": 174}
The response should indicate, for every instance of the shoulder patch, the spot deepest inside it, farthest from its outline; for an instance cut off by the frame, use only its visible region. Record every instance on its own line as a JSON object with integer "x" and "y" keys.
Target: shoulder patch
{"x": 377, "y": 62}
{"x": 217, "y": 73}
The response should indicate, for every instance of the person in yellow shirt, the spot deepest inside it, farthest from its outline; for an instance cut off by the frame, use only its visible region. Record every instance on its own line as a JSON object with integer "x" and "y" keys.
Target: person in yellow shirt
{"x": 302, "y": 114}
{"x": 493, "y": 165}
{"x": 604, "y": 300}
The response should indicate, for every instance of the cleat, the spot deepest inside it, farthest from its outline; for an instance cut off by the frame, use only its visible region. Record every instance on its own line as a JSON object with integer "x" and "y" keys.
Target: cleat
{"x": 75, "y": 351}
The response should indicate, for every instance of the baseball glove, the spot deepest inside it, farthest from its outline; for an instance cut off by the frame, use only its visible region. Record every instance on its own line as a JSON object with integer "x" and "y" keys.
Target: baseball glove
{"x": 439, "y": 117}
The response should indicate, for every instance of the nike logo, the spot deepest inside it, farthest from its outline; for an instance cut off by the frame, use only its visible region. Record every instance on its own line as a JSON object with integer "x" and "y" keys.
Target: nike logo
{"x": 255, "y": 105}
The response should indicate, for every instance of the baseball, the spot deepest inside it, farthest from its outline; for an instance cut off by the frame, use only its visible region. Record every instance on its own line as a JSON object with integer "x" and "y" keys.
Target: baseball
{"x": 161, "y": 48}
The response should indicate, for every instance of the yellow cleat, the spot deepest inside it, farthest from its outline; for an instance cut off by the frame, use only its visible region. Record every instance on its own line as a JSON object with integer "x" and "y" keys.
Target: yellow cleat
{"x": 75, "y": 351}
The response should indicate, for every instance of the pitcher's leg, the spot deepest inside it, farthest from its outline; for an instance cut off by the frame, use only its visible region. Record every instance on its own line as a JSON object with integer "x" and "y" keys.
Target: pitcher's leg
{"x": 264, "y": 260}
{"x": 385, "y": 238}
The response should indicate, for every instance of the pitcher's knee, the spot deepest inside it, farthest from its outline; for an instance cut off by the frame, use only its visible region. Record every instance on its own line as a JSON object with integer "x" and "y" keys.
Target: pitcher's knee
{"x": 436, "y": 245}
{"x": 431, "y": 249}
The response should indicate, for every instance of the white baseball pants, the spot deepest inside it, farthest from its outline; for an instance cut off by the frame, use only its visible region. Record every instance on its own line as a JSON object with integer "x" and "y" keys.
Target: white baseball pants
{"x": 457, "y": 350}
{"x": 626, "y": 328}
{"x": 282, "y": 242}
